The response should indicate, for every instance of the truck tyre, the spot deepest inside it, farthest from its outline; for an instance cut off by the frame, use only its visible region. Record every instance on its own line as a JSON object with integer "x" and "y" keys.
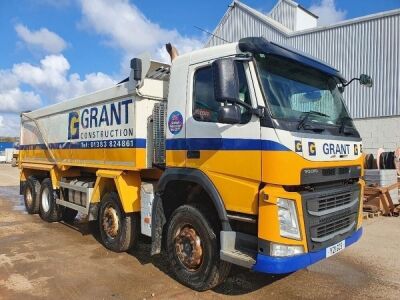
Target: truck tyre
{"x": 69, "y": 214}
{"x": 119, "y": 231}
{"x": 31, "y": 193}
{"x": 48, "y": 209}
{"x": 193, "y": 249}
{"x": 13, "y": 162}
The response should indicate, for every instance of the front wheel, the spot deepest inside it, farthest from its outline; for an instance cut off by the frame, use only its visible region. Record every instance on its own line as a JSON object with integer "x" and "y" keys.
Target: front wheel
{"x": 118, "y": 230}
{"x": 193, "y": 249}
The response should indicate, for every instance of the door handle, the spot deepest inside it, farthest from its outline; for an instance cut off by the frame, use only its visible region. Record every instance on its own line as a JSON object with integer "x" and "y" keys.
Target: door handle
{"x": 193, "y": 154}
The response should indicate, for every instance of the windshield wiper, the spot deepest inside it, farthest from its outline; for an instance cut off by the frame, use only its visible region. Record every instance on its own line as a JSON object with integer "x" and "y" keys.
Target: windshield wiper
{"x": 304, "y": 120}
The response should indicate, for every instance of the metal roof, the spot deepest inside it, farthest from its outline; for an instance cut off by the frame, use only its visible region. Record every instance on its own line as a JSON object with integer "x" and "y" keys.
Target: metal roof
{"x": 369, "y": 44}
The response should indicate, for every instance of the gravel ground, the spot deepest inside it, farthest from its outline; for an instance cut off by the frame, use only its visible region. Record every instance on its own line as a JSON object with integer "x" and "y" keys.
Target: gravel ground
{"x": 62, "y": 261}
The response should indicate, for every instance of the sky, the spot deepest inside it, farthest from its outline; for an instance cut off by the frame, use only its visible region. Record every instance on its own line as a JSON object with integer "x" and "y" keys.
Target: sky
{"x": 54, "y": 50}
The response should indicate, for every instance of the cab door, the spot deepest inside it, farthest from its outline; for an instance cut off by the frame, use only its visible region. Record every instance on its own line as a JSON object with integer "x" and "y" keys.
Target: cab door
{"x": 230, "y": 155}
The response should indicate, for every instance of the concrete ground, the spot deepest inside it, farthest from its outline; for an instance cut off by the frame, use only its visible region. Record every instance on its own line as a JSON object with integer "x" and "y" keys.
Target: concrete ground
{"x": 60, "y": 261}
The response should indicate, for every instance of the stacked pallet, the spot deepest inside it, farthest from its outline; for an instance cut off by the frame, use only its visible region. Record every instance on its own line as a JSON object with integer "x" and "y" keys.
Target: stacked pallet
{"x": 381, "y": 192}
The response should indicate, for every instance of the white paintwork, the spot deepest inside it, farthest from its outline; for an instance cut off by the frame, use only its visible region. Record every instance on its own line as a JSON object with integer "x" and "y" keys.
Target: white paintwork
{"x": 146, "y": 206}
{"x": 50, "y": 125}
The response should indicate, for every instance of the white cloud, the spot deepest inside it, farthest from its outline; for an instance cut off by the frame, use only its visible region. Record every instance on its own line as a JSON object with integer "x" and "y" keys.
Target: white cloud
{"x": 50, "y": 79}
{"x": 328, "y": 13}
{"x": 9, "y": 125}
{"x": 27, "y": 86}
{"x": 16, "y": 100}
{"x": 43, "y": 39}
{"x": 125, "y": 27}
{"x": 12, "y": 98}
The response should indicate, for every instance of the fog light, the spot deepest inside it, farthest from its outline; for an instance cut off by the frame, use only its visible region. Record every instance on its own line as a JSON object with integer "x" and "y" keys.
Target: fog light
{"x": 285, "y": 250}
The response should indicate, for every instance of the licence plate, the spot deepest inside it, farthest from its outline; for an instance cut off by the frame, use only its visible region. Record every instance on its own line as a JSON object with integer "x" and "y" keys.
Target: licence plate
{"x": 332, "y": 250}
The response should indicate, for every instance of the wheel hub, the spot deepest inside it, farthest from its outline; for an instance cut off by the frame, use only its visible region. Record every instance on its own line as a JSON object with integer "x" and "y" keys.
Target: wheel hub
{"x": 188, "y": 247}
{"x": 29, "y": 198}
{"x": 111, "y": 223}
{"x": 46, "y": 200}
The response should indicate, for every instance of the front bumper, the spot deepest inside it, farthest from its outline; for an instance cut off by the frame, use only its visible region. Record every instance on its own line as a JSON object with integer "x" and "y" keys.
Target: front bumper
{"x": 282, "y": 265}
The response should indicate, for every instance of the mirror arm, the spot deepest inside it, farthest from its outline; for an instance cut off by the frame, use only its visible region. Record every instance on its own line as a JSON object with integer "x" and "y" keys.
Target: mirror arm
{"x": 259, "y": 111}
{"x": 346, "y": 84}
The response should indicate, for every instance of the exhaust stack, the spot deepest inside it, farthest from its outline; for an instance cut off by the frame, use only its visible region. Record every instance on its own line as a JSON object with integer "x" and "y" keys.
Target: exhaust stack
{"x": 172, "y": 51}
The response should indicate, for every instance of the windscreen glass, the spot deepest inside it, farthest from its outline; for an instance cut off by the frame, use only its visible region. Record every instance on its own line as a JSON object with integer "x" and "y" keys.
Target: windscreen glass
{"x": 293, "y": 90}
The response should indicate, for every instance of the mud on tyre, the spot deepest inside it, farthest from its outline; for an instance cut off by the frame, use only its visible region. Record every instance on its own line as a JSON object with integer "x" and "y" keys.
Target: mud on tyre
{"x": 193, "y": 249}
{"x": 119, "y": 231}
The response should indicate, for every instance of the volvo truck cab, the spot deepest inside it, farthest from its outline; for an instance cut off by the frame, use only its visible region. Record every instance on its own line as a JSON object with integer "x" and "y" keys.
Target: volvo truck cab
{"x": 267, "y": 129}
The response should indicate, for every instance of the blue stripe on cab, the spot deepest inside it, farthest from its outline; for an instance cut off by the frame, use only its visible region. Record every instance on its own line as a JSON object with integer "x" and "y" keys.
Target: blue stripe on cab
{"x": 223, "y": 144}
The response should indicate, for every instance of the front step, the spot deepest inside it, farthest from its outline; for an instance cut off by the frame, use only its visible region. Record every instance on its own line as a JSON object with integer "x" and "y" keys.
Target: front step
{"x": 238, "y": 257}
{"x": 238, "y": 248}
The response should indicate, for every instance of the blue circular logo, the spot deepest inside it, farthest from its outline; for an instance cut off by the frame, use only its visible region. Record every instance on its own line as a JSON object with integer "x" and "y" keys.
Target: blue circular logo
{"x": 175, "y": 122}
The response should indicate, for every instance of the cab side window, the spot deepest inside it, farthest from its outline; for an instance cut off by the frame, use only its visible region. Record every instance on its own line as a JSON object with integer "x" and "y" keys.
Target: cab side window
{"x": 205, "y": 107}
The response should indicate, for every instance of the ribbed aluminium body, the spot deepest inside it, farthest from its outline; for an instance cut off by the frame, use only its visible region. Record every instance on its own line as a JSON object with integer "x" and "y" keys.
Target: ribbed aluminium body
{"x": 368, "y": 45}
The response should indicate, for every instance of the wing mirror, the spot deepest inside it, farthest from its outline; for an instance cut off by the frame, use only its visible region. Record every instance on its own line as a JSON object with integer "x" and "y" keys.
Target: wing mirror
{"x": 226, "y": 80}
{"x": 366, "y": 80}
{"x": 226, "y": 90}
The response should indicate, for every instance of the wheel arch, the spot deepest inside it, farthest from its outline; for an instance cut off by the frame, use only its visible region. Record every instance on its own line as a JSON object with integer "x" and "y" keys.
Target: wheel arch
{"x": 182, "y": 175}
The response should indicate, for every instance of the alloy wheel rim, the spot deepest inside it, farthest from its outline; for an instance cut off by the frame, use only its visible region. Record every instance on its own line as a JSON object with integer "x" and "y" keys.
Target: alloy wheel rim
{"x": 189, "y": 248}
{"x": 28, "y": 197}
{"x": 111, "y": 222}
{"x": 46, "y": 199}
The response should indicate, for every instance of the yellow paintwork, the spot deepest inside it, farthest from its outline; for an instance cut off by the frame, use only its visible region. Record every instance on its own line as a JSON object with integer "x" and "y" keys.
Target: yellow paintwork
{"x": 55, "y": 173}
{"x": 127, "y": 184}
{"x": 176, "y": 158}
{"x": 284, "y": 167}
{"x": 360, "y": 212}
{"x": 240, "y": 189}
{"x": 268, "y": 222}
{"x": 114, "y": 158}
{"x": 235, "y": 174}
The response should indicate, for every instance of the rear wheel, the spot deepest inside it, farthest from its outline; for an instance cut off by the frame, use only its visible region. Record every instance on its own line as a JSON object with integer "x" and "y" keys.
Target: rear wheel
{"x": 31, "y": 192}
{"x": 48, "y": 209}
{"x": 119, "y": 231}
{"x": 193, "y": 249}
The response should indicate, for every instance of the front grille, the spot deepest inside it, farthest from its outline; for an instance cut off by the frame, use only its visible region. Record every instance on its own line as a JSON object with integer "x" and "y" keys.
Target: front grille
{"x": 335, "y": 226}
{"x": 328, "y": 212}
{"x": 334, "y": 201}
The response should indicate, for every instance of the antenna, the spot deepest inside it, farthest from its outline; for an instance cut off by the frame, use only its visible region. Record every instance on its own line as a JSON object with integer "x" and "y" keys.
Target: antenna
{"x": 211, "y": 34}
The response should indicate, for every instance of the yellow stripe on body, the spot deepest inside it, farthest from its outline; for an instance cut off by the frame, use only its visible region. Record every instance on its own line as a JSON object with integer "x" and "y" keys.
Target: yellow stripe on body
{"x": 110, "y": 158}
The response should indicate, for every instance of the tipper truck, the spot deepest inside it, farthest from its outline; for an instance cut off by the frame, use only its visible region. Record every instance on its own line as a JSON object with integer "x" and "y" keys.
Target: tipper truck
{"x": 238, "y": 154}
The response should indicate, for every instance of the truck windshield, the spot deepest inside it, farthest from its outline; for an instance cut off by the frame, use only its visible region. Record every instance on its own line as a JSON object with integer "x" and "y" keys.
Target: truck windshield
{"x": 294, "y": 91}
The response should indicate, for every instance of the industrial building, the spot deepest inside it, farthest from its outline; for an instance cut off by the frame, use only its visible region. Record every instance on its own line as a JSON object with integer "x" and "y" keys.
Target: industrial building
{"x": 369, "y": 45}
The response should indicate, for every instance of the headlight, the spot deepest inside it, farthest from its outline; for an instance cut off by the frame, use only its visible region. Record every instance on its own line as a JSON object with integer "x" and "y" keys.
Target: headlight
{"x": 288, "y": 223}
{"x": 285, "y": 250}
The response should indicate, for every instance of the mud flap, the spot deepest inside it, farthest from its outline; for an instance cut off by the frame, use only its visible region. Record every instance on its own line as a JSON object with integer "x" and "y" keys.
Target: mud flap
{"x": 158, "y": 221}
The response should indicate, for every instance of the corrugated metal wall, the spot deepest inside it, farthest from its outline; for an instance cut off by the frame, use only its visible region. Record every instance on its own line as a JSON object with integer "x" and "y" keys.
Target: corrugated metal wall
{"x": 370, "y": 46}
{"x": 285, "y": 14}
